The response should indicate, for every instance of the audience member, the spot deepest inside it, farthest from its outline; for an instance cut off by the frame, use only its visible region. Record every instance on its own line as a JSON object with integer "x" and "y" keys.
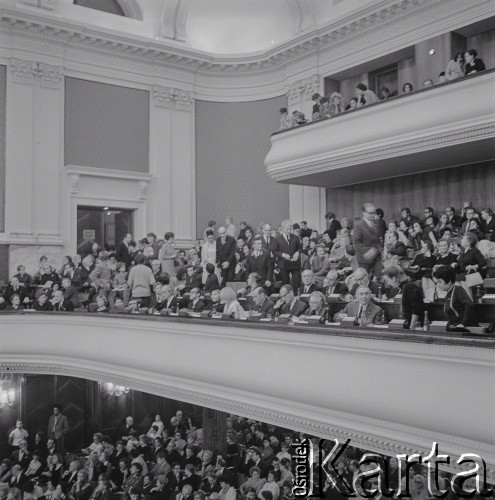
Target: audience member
{"x": 455, "y": 68}
{"x": 473, "y": 64}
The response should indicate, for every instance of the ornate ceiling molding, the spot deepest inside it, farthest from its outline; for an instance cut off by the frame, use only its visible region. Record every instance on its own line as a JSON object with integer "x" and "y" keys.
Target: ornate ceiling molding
{"x": 70, "y": 33}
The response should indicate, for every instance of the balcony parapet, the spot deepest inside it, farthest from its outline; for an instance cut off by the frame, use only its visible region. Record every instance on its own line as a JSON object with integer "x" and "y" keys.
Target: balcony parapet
{"x": 446, "y": 125}
{"x": 388, "y": 391}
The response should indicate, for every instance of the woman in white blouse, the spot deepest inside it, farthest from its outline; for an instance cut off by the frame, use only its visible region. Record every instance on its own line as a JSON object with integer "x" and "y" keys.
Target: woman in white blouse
{"x": 232, "y": 305}
{"x": 209, "y": 255}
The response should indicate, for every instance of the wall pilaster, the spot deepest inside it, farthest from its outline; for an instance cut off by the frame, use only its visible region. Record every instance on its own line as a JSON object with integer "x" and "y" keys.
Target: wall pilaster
{"x": 173, "y": 198}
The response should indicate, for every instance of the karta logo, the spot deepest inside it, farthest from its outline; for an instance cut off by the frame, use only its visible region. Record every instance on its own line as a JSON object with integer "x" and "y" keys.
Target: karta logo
{"x": 376, "y": 478}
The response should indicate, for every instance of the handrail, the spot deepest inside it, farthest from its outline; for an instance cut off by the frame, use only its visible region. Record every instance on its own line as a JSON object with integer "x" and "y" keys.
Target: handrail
{"x": 377, "y": 332}
{"x": 390, "y": 99}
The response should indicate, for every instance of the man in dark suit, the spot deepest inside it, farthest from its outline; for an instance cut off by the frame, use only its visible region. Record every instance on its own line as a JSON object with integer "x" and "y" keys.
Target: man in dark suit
{"x": 267, "y": 239}
{"x": 166, "y": 299}
{"x": 122, "y": 252}
{"x": 287, "y": 250}
{"x": 454, "y": 220}
{"x": 305, "y": 230}
{"x": 262, "y": 303}
{"x": 288, "y": 303}
{"x": 363, "y": 309}
{"x": 367, "y": 242}
{"x": 308, "y": 283}
{"x": 215, "y": 306}
{"x": 21, "y": 456}
{"x": 195, "y": 303}
{"x": 16, "y": 288}
{"x": 259, "y": 261}
{"x": 333, "y": 225}
{"x": 332, "y": 285}
{"x": 226, "y": 260}
{"x": 18, "y": 477}
{"x": 58, "y": 427}
{"x": 60, "y": 304}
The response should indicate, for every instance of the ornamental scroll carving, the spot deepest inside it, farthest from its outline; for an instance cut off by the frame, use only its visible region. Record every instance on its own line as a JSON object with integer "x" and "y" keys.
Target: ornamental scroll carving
{"x": 303, "y": 89}
{"x": 167, "y": 96}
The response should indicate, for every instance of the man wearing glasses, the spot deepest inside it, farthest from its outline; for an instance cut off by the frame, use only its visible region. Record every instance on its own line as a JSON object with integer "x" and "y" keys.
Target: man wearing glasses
{"x": 367, "y": 241}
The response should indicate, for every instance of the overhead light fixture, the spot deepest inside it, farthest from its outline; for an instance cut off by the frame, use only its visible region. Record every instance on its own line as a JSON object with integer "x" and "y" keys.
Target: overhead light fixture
{"x": 115, "y": 390}
{"x": 105, "y": 208}
{"x": 7, "y": 392}
{"x": 432, "y": 51}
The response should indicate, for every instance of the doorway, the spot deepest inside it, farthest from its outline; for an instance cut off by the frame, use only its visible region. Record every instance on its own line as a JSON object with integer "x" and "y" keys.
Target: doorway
{"x": 106, "y": 226}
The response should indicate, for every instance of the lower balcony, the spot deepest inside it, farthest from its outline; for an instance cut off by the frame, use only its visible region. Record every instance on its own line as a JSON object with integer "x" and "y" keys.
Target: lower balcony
{"x": 388, "y": 391}
{"x": 450, "y": 124}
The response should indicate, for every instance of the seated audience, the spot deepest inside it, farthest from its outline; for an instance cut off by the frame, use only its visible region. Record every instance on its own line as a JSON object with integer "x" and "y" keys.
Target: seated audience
{"x": 455, "y": 68}
{"x": 470, "y": 261}
{"x": 288, "y": 303}
{"x": 458, "y": 305}
{"x": 362, "y": 309}
{"x": 353, "y": 104}
{"x": 413, "y": 307}
{"x": 262, "y": 303}
{"x": 231, "y": 305}
{"x": 407, "y": 87}
{"x": 195, "y": 303}
{"x": 337, "y": 104}
{"x": 473, "y": 64}
{"x": 317, "y": 305}
{"x": 364, "y": 95}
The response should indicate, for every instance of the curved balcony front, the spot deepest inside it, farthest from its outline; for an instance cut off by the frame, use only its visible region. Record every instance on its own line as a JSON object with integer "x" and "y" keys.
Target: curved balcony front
{"x": 447, "y": 125}
{"x": 388, "y": 391}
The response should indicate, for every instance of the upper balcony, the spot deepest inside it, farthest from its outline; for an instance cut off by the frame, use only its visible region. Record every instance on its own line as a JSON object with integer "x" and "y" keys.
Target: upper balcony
{"x": 447, "y": 125}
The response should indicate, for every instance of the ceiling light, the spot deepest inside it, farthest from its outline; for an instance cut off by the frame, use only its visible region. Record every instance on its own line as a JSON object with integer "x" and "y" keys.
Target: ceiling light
{"x": 432, "y": 51}
{"x": 105, "y": 208}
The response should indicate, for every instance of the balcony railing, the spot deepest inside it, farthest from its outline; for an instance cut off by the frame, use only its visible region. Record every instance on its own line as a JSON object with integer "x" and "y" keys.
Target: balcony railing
{"x": 388, "y": 391}
{"x": 441, "y": 126}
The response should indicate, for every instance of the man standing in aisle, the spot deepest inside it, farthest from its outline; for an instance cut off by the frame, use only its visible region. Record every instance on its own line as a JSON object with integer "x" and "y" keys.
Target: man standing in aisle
{"x": 226, "y": 260}
{"x": 287, "y": 249}
{"x": 58, "y": 427}
{"x": 367, "y": 241}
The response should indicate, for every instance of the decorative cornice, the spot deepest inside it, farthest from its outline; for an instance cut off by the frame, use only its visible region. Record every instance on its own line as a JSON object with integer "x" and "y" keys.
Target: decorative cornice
{"x": 74, "y": 183}
{"x": 167, "y": 96}
{"x": 142, "y": 189}
{"x": 308, "y": 42}
{"x": 73, "y": 170}
{"x": 23, "y": 71}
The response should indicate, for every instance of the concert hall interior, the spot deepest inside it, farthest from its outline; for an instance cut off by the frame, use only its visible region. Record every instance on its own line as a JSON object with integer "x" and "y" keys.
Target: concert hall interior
{"x": 257, "y": 228}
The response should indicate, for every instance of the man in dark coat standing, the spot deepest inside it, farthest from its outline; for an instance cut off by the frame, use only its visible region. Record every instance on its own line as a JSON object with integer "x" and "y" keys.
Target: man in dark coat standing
{"x": 226, "y": 255}
{"x": 58, "y": 427}
{"x": 367, "y": 241}
{"x": 287, "y": 250}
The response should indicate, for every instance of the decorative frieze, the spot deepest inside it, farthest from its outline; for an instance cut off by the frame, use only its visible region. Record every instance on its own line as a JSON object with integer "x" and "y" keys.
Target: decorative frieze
{"x": 167, "y": 96}
{"x": 303, "y": 89}
{"x": 23, "y": 71}
{"x": 28, "y": 71}
{"x": 51, "y": 76}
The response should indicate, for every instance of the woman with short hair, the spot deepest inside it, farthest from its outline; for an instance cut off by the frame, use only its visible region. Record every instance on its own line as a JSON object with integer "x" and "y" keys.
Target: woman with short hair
{"x": 231, "y": 304}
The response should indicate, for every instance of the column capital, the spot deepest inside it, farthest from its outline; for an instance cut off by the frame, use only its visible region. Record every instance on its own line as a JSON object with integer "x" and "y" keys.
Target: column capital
{"x": 163, "y": 96}
{"x": 184, "y": 99}
{"x": 303, "y": 89}
{"x": 51, "y": 76}
{"x": 168, "y": 96}
{"x": 23, "y": 71}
